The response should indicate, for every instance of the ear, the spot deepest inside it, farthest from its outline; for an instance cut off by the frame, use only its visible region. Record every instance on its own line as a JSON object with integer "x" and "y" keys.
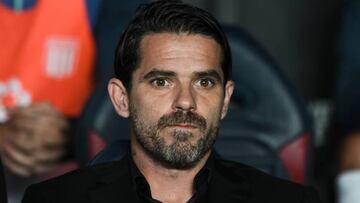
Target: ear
{"x": 229, "y": 89}
{"x": 119, "y": 97}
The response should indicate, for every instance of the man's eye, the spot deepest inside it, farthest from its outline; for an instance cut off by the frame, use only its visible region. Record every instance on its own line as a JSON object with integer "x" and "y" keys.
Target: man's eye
{"x": 159, "y": 82}
{"x": 205, "y": 83}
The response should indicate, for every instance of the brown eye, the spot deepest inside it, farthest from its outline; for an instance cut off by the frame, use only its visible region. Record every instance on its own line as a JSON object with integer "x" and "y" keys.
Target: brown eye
{"x": 159, "y": 82}
{"x": 205, "y": 83}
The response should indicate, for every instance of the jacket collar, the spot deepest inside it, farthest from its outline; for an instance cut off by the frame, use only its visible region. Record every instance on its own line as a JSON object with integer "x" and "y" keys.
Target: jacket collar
{"x": 115, "y": 184}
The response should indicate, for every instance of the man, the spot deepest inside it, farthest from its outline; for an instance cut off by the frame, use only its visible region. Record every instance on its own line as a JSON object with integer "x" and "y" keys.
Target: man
{"x": 347, "y": 109}
{"x": 173, "y": 82}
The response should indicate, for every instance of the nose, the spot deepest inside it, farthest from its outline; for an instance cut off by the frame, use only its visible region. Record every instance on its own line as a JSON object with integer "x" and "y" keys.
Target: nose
{"x": 184, "y": 99}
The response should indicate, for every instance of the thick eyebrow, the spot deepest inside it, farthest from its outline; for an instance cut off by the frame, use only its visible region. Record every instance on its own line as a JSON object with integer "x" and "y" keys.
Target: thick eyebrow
{"x": 158, "y": 73}
{"x": 211, "y": 73}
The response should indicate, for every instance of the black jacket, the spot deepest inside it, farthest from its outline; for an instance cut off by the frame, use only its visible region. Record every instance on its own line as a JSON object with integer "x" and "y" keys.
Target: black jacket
{"x": 3, "y": 198}
{"x": 111, "y": 183}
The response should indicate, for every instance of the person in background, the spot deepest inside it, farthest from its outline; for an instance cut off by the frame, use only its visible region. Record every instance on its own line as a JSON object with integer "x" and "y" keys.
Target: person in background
{"x": 173, "y": 81}
{"x": 46, "y": 74}
{"x": 348, "y": 105}
{"x": 52, "y": 54}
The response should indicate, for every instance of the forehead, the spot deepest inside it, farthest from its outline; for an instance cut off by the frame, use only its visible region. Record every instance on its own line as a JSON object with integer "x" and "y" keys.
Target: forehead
{"x": 179, "y": 52}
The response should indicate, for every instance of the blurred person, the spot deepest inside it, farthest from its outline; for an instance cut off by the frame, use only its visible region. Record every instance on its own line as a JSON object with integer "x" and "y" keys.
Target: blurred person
{"x": 51, "y": 55}
{"x": 347, "y": 105}
{"x": 173, "y": 69}
{"x": 46, "y": 74}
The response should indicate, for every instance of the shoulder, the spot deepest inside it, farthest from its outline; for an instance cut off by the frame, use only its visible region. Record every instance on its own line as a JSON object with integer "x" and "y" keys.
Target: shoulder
{"x": 89, "y": 174}
{"x": 262, "y": 186}
{"x": 247, "y": 173}
{"x": 75, "y": 184}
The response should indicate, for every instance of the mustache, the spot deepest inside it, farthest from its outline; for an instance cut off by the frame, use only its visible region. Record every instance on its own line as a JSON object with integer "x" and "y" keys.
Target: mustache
{"x": 179, "y": 117}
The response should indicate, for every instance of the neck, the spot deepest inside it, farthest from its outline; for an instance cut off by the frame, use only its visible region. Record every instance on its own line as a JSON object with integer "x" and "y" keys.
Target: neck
{"x": 166, "y": 184}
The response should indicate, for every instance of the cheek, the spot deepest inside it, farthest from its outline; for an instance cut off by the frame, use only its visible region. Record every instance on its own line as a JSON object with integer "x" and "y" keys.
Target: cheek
{"x": 150, "y": 107}
{"x": 210, "y": 107}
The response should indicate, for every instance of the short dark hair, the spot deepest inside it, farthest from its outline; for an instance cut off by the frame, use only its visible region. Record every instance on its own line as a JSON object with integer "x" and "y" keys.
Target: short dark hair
{"x": 162, "y": 16}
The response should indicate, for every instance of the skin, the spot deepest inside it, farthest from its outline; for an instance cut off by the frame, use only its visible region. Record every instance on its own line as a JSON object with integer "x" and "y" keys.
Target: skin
{"x": 33, "y": 140}
{"x": 173, "y": 62}
{"x": 350, "y": 153}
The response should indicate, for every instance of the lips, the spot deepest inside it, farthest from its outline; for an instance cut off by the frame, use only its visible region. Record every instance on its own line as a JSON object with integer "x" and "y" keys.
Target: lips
{"x": 182, "y": 120}
{"x": 183, "y": 125}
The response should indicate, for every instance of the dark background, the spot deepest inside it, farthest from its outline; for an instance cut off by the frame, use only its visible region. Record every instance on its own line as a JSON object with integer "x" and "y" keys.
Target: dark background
{"x": 300, "y": 35}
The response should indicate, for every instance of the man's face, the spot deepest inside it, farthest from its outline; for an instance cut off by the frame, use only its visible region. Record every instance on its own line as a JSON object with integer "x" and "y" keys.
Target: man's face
{"x": 177, "y": 98}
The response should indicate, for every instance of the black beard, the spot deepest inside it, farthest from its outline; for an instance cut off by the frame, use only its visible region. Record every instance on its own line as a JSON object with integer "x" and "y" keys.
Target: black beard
{"x": 181, "y": 154}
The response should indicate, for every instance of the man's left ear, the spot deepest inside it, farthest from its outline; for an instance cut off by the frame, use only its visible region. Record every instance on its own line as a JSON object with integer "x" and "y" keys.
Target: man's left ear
{"x": 229, "y": 89}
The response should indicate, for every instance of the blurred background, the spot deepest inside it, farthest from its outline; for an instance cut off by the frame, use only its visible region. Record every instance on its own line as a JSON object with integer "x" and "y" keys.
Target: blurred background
{"x": 299, "y": 34}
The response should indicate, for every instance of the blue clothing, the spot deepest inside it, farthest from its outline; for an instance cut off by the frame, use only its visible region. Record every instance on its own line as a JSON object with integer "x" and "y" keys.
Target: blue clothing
{"x": 348, "y": 84}
{"x": 92, "y": 7}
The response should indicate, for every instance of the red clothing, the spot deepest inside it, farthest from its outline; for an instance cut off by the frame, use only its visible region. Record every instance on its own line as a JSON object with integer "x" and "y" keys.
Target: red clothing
{"x": 46, "y": 54}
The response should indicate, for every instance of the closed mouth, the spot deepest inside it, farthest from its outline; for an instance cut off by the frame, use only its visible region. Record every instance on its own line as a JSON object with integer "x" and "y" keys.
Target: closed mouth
{"x": 183, "y": 125}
